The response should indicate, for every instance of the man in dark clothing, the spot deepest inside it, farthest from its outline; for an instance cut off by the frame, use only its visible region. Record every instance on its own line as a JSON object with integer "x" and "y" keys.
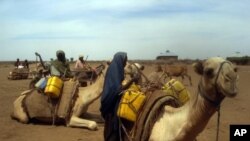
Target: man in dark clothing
{"x": 26, "y": 64}
{"x": 60, "y": 67}
{"x": 111, "y": 96}
{"x": 17, "y": 63}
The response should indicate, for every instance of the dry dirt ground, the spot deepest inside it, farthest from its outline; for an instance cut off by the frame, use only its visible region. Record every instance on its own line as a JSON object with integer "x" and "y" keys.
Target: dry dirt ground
{"x": 233, "y": 111}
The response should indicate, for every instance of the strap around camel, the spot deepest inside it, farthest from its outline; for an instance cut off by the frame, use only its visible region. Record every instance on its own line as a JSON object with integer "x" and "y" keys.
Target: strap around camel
{"x": 147, "y": 117}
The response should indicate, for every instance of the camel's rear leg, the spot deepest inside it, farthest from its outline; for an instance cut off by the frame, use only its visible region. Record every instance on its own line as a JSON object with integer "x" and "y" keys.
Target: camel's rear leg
{"x": 79, "y": 122}
{"x": 18, "y": 111}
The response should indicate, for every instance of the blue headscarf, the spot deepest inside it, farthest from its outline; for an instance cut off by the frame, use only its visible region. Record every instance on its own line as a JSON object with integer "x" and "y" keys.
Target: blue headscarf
{"x": 113, "y": 84}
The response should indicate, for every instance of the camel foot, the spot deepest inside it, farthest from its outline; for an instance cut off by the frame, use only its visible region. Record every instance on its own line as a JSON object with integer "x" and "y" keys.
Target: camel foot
{"x": 78, "y": 122}
{"x": 92, "y": 126}
{"x": 22, "y": 120}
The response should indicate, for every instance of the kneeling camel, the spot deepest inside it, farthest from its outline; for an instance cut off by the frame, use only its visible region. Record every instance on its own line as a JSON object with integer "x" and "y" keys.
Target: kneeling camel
{"x": 85, "y": 96}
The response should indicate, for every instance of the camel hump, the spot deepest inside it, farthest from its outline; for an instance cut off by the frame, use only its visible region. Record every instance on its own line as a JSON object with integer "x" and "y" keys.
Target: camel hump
{"x": 37, "y": 105}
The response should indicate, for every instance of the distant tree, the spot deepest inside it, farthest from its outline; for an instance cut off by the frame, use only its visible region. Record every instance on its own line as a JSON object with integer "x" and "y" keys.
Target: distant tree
{"x": 51, "y": 59}
{"x": 244, "y": 60}
{"x": 71, "y": 59}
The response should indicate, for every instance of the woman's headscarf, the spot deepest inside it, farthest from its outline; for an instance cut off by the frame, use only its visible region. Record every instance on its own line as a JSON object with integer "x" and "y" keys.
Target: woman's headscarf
{"x": 113, "y": 83}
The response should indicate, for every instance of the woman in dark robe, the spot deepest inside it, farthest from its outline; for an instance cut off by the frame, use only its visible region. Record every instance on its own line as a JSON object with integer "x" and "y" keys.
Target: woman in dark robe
{"x": 111, "y": 96}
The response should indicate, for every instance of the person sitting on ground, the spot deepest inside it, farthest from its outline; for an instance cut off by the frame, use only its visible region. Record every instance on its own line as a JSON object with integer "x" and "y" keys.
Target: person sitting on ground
{"x": 60, "y": 67}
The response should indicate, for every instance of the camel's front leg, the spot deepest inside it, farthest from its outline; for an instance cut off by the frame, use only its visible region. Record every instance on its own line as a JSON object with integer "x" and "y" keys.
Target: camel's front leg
{"x": 75, "y": 121}
{"x": 79, "y": 122}
{"x": 18, "y": 111}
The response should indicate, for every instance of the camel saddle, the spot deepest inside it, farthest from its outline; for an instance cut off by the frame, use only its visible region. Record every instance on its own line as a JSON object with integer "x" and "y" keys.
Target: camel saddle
{"x": 149, "y": 113}
{"x": 41, "y": 107}
{"x": 19, "y": 73}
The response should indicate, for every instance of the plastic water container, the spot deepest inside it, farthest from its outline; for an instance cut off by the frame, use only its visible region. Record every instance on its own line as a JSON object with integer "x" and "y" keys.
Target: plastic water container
{"x": 177, "y": 89}
{"x": 41, "y": 84}
{"x": 130, "y": 103}
{"x": 53, "y": 87}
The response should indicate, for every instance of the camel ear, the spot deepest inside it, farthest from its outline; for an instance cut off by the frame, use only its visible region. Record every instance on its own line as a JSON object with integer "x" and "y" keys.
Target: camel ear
{"x": 198, "y": 67}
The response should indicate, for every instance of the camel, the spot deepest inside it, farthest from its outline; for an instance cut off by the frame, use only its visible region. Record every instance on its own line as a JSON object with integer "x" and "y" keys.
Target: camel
{"x": 219, "y": 79}
{"x": 156, "y": 77}
{"x": 177, "y": 70}
{"x": 134, "y": 70}
{"x": 86, "y": 96}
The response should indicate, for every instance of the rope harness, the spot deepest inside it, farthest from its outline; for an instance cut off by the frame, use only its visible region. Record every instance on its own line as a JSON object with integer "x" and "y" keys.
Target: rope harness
{"x": 218, "y": 99}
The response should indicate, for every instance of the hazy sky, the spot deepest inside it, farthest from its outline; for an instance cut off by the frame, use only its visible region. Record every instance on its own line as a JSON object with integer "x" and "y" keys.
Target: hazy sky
{"x": 142, "y": 28}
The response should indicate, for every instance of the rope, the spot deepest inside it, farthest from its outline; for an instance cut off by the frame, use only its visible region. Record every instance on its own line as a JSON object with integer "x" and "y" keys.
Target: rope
{"x": 125, "y": 131}
{"x": 215, "y": 103}
{"x": 218, "y": 124}
{"x": 53, "y": 110}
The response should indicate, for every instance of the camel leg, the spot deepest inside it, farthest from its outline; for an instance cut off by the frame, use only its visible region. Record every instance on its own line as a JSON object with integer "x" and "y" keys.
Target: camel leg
{"x": 79, "y": 122}
{"x": 18, "y": 111}
{"x": 80, "y": 107}
{"x": 189, "y": 78}
{"x": 182, "y": 78}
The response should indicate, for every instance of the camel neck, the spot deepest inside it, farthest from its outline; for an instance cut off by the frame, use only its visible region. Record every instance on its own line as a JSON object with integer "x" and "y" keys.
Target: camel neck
{"x": 184, "y": 123}
{"x": 200, "y": 110}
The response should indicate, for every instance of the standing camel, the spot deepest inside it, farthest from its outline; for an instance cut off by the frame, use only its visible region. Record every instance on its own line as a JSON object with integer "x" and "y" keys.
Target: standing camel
{"x": 218, "y": 80}
{"x": 177, "y": 70}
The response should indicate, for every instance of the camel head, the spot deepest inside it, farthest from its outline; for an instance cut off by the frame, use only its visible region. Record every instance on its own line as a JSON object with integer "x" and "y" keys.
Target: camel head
{"x": 132, "y": 68}
{"x": 219, "y": 77}
{"x": 99, "y": 69}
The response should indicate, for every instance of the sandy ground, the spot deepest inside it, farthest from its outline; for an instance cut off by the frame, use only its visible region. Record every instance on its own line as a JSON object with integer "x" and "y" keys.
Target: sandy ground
{"x": 233, "y": 111}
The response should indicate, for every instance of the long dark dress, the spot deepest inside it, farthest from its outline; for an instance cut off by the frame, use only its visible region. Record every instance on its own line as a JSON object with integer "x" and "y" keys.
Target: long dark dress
{"x": 110, "y": 96}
